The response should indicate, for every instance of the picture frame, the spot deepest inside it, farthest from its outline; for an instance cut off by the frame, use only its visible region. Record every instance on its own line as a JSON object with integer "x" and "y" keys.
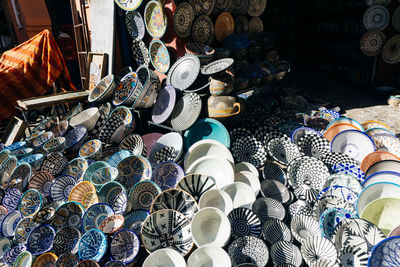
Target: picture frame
{"x": 96, "y": 66}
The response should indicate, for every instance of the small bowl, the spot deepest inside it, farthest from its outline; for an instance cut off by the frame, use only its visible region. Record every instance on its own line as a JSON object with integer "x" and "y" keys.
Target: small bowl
{"x": 112, "y": 224}
{"x": 244, "y": 222}
{"x": 104, "y": 90}
{"x": 247, "y": 167}
{"x": 66, "y": 240}
{"x": 88, "y": 263}
{"x": 16, "y": 146}
{"x": 114, "y": 125}
{"x": 103, "y": 175}
{"x": 21, "y": 175}
{"x": 23, "y": 259}
{"x": 34, "y": 160}
{"x": 248, "y": 249}
{"x": 56, "y": 144}
{"x": 132, "y": 170}
{"x": 167, "y": 175}
{"x": 40, "y": 140}
{"x": 21, "y": 153}
{"x": 109, "y": 191}
{"x": 41, "y": 181}
{"x": 210, "y": 227}
{"x": 143, "y": 194}
{"x": 275, "y": 230}
{"x": 159, "y": 56}
{"x": 250, "y": 179}
{"x": 11, "y": 254}
{"x": 303, "y": 226}
{"x": 31, "y": 202}
{"x": 268, "y": 208}
{"x": 164, "y": 256}
{"x": 218, "y": 199}
{"x": 155, "y": 19}
{"x": 95, "y": 215}
{"x": 207, "y": 129}
{"x": 68, "y": 214}
{"x": 135, "y": 144}
{"x": 60, "y": 129}
{"x": 55, "y": 163}
{"x": 124, "y": 246}
{"x": 196, "y": 185}
{"x": 128, "y": 90}
{"x": 47, "y": 259}
{"x": 41, "y": 239}
{"x": 23, "y": 229}
{"x": 76, "y": 168}
{"x": 94, "y": 167}
{"x": 208, "y": 256}
{"x": 87, "y": 118}
{"x": 241, "y": 194}
{"x": 91, "y": 149}
{"x": 67, "y": 259}
{"x": 84, "y": 193}
{"x": 283, "y": 252}
{"x": 170, "y": 139}
{"x": 316, "y": 248}
{"x": 276, "y": 190}
{"x": 204, "y": 52}
{"x": 381, "y": 212}
{"x": 92, "y": 246}
{"x": 9, "y": 223}
{"x": 75, "y": 138}
{"x": 118, "y": 157}
{"x": 134, "y": 220}
{"x": 61, "y": 187}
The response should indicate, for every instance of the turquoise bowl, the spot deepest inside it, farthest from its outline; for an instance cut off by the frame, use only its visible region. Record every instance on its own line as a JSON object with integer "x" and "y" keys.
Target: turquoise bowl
{"x": 206, "y": 129}
{"x": 92, "y": 168}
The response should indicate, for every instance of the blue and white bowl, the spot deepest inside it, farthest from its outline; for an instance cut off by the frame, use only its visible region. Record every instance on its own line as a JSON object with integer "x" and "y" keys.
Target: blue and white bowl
{"x": 66, "y": 240}
{"x": 12, "y": 198}
{"x": 34, "y": 160}
{"x": 124, "y": 246}
{"x": 10, "y": 222}
{"x": 92, "y": 245}
{"x": 94, "y": 216}
{"x": 61, "y": 187}
{"x": 118, "y": 157}
{"x": 16, "y": 146}
{"x": 31, "y": 203}
{"x": 41, "y": 239}
{"x": 75, "y": 138}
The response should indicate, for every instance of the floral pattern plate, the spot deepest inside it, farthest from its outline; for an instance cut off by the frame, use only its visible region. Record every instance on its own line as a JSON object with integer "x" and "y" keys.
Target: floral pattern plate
{"x": 155, "y": 19}
{"x": 203, "y": 30}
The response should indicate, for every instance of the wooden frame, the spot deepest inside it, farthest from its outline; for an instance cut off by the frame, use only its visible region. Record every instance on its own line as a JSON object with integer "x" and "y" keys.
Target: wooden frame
{"x": 96, "y": 66}
{"x": 14, "y": 132}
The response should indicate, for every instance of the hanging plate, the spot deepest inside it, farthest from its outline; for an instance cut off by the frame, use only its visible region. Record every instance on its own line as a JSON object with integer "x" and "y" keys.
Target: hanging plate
{"x": 135, "y": 24}
{"x": 223, "y": 6}
{"x": 240, "y": 7}
{"x": 128, "y": 5}
{"x": 217, "y": 66}
{"x": 183, "y": 19}
{"x": 203, "y": 30}
{"x": 241, "y": 24}
{"x": 391, "y": 50}
{"x": 224, "y": 26}
{"x": 186, "y": 112}
{"x": 155, "y": 19}
{"x": 202, "y": 7}
{"x": 376, "y": 18}
{"x": 372, "y": 43}
{"x": 184, "y": 72}
{"x": 256, "y": 25}
{"x": 396, "y": 19}
{"x": 256, "y": 7}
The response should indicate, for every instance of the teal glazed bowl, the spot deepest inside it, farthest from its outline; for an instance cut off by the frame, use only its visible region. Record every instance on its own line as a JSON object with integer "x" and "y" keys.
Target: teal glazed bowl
{"x": 206, "y": 129}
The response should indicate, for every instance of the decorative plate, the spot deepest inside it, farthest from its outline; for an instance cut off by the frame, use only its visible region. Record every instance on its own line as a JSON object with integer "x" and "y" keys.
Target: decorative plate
{"x": 66, "y": 240}
{"x": 135, "y": 219}
{"x": 223, "y": 5}
{"x": 41, "y": 239}
{"x": 67, "y": 259}
{"x": 332, "y": 217}
{"x": 283, "y": 253}
{"x": 256, "y": 7}
{"x": 349, "y": 169}
{"x": 183, "y": 19}
{"x": 196, "y": 184}
{"x": 202, "y": 7}
{"x": 396, "y": 19}
{"x": 387, "y": 142}
{"x": 184, "y": 72}
{"x": 391, "y": 50}
{"x": 376, "y": 18}
{"x": 374, "y": 124}
{"x": 248, "y": 249}
{"x": 303, "y": 226}
{"x": 175, "y": 199}
{"x": 217, "y": 66}
{"x": 159, "y": 56}
{"x": 203, "y": 30}
{"x": 314, "y": 145}
{"x": 282, "y": 150}
{"x": 112, "y": 224}
{"x": 93, "y": 245}
{"x": 68, "y": 214}
{"x": 124, "y": 246}
{"x": 358, "y": 234}
{"x": 316, "y": 248}
{"x": 135, "y": 24}
{"x": 335, "y": 158}
{"x": 345, "y": 180}
{"x": 62, "y": 186}
{"x": 12, "y": 198}
{"x": 94, "y": 215}
{"x": 164, "y": 104}
{"x": 132, "y": 170}
{"x": 372, "y": 42}
{"x": 248, "y": 149}
{"x": 240, "y": 7}
{"x": 167, "y": 174}
{"x": 268, "y": 208}
{"x": 274, "y": 171}
{"x": 353, "y": 143}
{"x": 135, "y": 144}
{"x": 140, "y": 53}
{"x": 9, "y": 165}
{"x": 118, "y": 157}
{"x": 166, "y": 153}
{"x": 167, "y": 229}
{"x": 186, "y": 112}
{"x": 41, "y": 181}
{"x": 31, "y": 203}
{"x": 244, "y": 222}
{"x": 224, "y": 26}
{"x": 143, "y": 194}
{"x": 275, "y": 230}
{"x": 128, "y": 5}
{"x": 155, "y": 19}
{"x": 383, "y": 165}
{"x": 23, "y": 230}
{"x": 255, "y": 25}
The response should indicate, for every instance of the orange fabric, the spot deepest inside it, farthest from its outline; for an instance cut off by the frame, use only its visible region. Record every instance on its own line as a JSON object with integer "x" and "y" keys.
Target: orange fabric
{"x": 29, "y": 70}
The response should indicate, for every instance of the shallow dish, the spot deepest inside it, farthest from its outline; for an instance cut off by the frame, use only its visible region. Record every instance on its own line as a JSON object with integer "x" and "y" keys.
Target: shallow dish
{"x": 307, "y": 170}
{"x": 31, "y": 202}
{"x": 132, "y": 170}
{"x": 92, "y": 245}
{"x": 76, "y": 168}
{"x": 373, "y": 124}
{"x": 112, "y": 224}
{"x": 159, "y": 56}
{"x": 9, "y": 223}
{"x": 134, "y": 220}
{"x": 143, "y": 194}
{"x": 45, "y": 260}
{"x": 124, "y": 246}
{"x": 186, "y": 111}
{"x": 34, "y": 160}
{"x": 348, "y": 121}
{"x": 135, "y": 144}
{"x": 387, "y": 142}
{"x": 66, "y": 240}
{"x": 41, "y": 239}
{"x": 155, "y": 19}
{"x": 68, "y": 214}
{"x": 95, "y": 215}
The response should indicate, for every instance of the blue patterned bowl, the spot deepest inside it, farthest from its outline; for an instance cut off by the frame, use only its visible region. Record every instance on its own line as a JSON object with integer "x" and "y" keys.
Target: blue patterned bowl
{"x": 92, "y": 246}
{"x": 91, "y": 149}
{"x": 103, "y": 90}
{"x": 94, "y": 215}
{"x": 31, "y": 203}
{"x": 76, "y": 168}
{"x": 68, "y": 214}
{"x": 61, "y": 187}
{"x": 94, "y": 167}
{"x": 21, "y": 174}
{"x": 39, "y": 141}
{"x": 12, "y": 198}
{"x": 9, "y": 165}
{"x": 75, "y": 138}
{"x": 55, "y": 163}
{"x": 66, "y": 240}
{"x": 56, "y": 144}
{"x": 24, "y": 229}
{"x": 386, "y": 253}
{"x": 11, "y": 255}
{"x": 135, "y": 219}
{"x": 132, "y": 170}
{"x": 159, "y": 56}
{"x": 41, "y": 239}
{"x": 103, "y": 175}
{"x": 167, "y": 175}
{"x": 22, "y": 152}
{"x": 118, "y": 157}
{"x": 124, "y": 246}
{"x": 16, "y": 146}
{"x": 34, "y": 160}
{"x": 9, "y": 223}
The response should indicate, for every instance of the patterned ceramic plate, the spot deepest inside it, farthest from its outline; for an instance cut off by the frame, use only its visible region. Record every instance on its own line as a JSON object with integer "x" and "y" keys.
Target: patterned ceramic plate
{"x": 202, "y": 7}
{"x": 376, "y": 18}
{"x": 196, "y": 184}
{"x": 183, "y": 19}
{"x": 314, "y": 145}
{"x": 282, "y": 150}
{"x": 387, "y": 142}
{"x": 372, "y": 42}
{"x": 155, "y": 19}
{"x": 159, "y": 56}
{"x": 244, "y": 222}
{"x": 186, "y": 112}
{"x": 143, "y": 194}
{"x": 135, "y": 24}
{"x": 391, "y": 50}
{"x": 333, "y": 159}
{"x": 330, "y": 202}
{"x": 184, "y": 72}
{"x": 248, "y": 149}
{"x": 132, "y": 170}
{"x": 345, "y": 180}
{"x": 94, "y": 216}
{"x": 332, "y": 217}
{"x": 256, "y": 7}
{"x": 128, "y": 5}
{"x": 217, "y": 66}
{"x": 140, "y": 52}
{"x": 203, "y": 30}
{"x": 349, "y": 169}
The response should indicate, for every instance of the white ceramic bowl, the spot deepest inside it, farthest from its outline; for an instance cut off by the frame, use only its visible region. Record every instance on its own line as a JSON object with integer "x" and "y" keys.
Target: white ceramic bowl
{"x": 170, "y": 139}
{"x": 220, "y": 169}
{"x": 374, "y": 192}
{"x": 210, "y": 227}
{"x": 208, "y": 147}
{"x": 246, "y": 166}
{"x": 250, "y": 179}
{"x": 209, "y": 256}
{"x": 87, "y": 118}
{"x": 218, "y": 199}
{"x": 241, "y": 194}
{"x": 378, "y": 177}
{"x": 165, "y": 257}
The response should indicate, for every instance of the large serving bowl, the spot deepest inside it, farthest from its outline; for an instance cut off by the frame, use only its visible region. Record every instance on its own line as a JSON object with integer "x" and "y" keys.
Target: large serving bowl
{"x": 103, "y": 90}
{"x": 87, "y": 118}
{"x": 128, "y": 90}
{"x": 218, "y": 199}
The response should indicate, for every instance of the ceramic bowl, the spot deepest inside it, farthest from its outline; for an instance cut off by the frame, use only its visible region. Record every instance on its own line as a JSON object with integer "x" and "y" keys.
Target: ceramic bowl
{"x": 92, "y": 245}
{"x": 348, "y": 121}
{"x": 314, "y": 145}
{"x": 172, "y": 140}
{"x": 112, "y": 125}
{"x": 40, "y": 140}
{"x": 381, "y": 254}
{"x": 61, "y": 187}
{"x": 56, "y": 144}
{"x": 249, "y": 149}
{"x": 242, "y": 195}
{"x": 180, "y": 234}
{"x": 245, "y": 166}
{"x": 109, "y": 191}
{"x": 104, "y": 89}
{"x": 166, "y": 153}
{"x": 210, "y": 227}
{"x": 334, "y": 130}
{"x": 84, "y": 193}
{"x": 120, "y": 203}
{"x": 103, "y": 175}
{"x": 346, "y": 170}
{"x": 284, "y": 252}
{"x": 150, "y": 83}
{"x": 307, "y": 170}
{"x": 34, "y": 160}
{"x": 387, "y": 142}
{"x": 187, "y": 110}
{"x": 275, "y": 230}
{"x": 306, "y": 193}
{"x": 135, "y": 144}
{"x": 167, "y": 175}
{"x": 283, "y": 150}
{"x": 23, "y": 259}
{"x": 87, "y": 118}
{"x": 20, "y": 176}
{"x": 244, "y": 222}
{"x": 164, "y": 104}
{"x": 276, "y": 190}
{"x": 60, "y": 129}
{"x": 378, "y": 130}
{"x": 384, "y": 165}
{"x": 11, "y": 198}
{"x": 93, "y": 168}
{"x": 375, "y": 157}
{"x": 118, "y": 157}
{"x": 75, "y": 138}
{"x": 135, "y": 24}
{"x": 155, "y": 19}
{"x": 66, "y": 240}
{"x": 4, "y": 156}
{"x": 124, "y": 246}
{"x": 42, "y": 182}
{"x": 16, "y": 146}
{"x": 196, "y": 185}
{"x": 132, "y": 170}
{"x": 373, "y": 124}
{"x": 303, "y": 226}
{"x": 384, "y": 176}
{"x": 88, "y": 263}
{"x": 76, "y": 168}
{"x": 5, "y": 245}
{"x": 21, "y": 153}
{"x": 204, "y": 52}
{"x": 218, "y": 199}
{"x": 380, "y": 213}
{"x": 331, "y": 217}
{"x": 159, "y": 56}
{"x": 175, "y": 199}
{"x": 55, "y": 163}
{"x": 23, "y": 229}
{"x": 134, "y": 220}
{"x": 220, "y": 169}
{"x": 31, "y": 202}
{"x": 274, "y": 171}
{"x": 248, "y": 249}
{"x": 112, "y": 224}
{"x": 315, "y": 248}
{"x": 207, "y": 129}
{"x": 95, "y": 215}
{"x": 250, "y": 179}
{"x": 11, "y": 254}
{"x": 67, "y": 259}
{"x": 143, "y": 194}
{"x": 208, "y": 147}
{"x": 128, "y": 90}
{"x": 268, "y": 208}
{"x": 68, "y": 214}
{"x": 209, "y": 255}
{"x": 164, "y": 256}
{"x": 45, "y": 259}
{"x": 41, "y": 239}
{"x": 129, "y": 123}
{"x": 91, "y": 149}
{"x": 9, "y": 223}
